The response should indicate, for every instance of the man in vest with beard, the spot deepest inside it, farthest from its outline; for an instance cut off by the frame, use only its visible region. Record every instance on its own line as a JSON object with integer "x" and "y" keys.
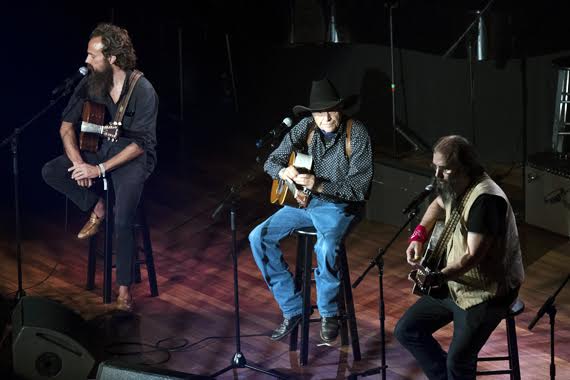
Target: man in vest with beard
{"x": 482, "y": 264}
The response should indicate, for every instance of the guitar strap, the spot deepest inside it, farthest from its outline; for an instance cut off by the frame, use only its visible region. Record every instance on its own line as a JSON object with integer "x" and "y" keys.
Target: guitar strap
{"x": 347, "y": 146}
{"x": 133, "y": 79}
{"x": 435, "y": 260}
{"x": 303, "y": 197}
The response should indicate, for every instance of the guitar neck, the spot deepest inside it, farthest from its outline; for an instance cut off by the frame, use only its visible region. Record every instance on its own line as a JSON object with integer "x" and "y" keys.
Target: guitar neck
{"x": 292, "y": 187}
{"x": 91, "y": 128}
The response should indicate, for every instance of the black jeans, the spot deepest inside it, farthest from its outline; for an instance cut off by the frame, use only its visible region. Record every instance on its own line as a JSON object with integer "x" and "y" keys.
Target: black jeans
{"x": 128, "y": 183}
{"x": 471, "y": 329}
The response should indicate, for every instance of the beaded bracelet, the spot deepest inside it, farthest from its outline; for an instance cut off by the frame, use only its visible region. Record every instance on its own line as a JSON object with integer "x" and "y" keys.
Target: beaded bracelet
{"x": 101, "y": 169}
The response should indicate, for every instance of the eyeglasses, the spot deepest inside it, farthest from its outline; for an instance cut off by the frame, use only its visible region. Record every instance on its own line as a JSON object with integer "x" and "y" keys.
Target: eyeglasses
{"x": 442, "y": 169}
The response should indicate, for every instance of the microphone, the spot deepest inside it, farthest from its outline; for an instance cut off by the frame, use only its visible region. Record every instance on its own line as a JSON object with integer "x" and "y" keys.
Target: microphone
{"x": 277, "y": 131}
{"x": 419, "y": 198}
{"x": 67, "y": 83}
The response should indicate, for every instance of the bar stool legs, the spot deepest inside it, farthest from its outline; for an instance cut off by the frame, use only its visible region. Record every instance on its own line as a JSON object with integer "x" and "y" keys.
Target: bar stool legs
{"x": 108, "y": 251}
{"x": 513, "y": 349}
{"x": 147, "y": 250}
{"x": 142, "y": 226}
{"x": 350, "y": 312}
{"x": 513, "y": 353}
{"x": 303, "y": 272}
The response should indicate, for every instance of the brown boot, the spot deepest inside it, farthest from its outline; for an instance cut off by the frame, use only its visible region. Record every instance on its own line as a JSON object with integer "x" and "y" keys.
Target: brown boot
{"x": 91, "y": 227}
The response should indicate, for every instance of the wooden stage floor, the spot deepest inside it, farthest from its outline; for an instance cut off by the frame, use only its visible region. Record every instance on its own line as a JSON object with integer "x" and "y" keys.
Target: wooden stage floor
{"x": 193, "y": 259}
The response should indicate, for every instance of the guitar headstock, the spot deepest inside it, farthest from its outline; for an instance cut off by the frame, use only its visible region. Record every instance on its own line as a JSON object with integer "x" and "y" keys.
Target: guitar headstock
{"x": 111, "y": 130}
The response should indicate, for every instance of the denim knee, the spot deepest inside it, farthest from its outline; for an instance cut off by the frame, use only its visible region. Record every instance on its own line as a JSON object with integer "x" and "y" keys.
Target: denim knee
{"x": 255, "y": 236}
{"x": 255, "y": 241}
{"x": 329, "y": 247}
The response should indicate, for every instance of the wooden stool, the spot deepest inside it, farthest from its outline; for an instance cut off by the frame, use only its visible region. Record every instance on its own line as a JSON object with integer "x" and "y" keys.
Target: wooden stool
{"x": 306, "y": 238}
{"x": 140, "y": 226}
{"x": 513, "y": 352}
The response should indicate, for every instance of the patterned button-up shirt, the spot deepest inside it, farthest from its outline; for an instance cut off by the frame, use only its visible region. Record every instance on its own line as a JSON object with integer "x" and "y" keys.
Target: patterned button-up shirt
{"x": 344, "y": 179}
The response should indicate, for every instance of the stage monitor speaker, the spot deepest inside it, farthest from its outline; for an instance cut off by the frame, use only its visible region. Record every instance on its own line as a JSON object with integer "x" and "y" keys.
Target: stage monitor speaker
{"x": 48, "y": 341}
{"x": 116, "y": 370}
{"x": 394, "y": 185}
{"x": 547, "y": 199}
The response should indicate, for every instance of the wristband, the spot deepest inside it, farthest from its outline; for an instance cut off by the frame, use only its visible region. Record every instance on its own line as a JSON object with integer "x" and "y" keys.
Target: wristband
{"x": 101, "y": 169}
{"x": 420, "y": 234}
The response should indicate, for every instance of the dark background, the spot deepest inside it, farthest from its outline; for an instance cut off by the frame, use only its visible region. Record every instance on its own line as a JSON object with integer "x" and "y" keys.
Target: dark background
{"x": 273, "y": 65}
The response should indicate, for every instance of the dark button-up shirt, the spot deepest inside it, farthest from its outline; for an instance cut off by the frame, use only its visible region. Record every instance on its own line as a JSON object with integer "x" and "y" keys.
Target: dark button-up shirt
{"x": 344, "y": 179}
{"x": 139, "y": 121}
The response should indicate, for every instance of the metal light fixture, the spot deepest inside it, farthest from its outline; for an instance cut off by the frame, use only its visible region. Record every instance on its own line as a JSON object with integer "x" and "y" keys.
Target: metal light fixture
{"x": 315, "y": 22}
{"x": 481, "y": 51}
{"x": 332, "y": 32}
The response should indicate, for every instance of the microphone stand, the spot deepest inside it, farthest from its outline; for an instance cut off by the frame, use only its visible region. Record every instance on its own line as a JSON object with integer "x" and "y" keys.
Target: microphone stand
{"x": 549, "y": 308}
{"x": 238, "y": 360}
{"x": 470, "y": 58}
{"x": 13, "y": 141}
{"x": 378, "y": 261}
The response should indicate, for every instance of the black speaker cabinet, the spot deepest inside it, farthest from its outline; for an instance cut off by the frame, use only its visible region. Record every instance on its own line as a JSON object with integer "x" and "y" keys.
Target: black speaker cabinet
{"x": 547, "y": 193}
{"x": 546, "y": 200}
{"x": 394, "y": 185}
{"x": 48, "y": 341}
{"x": 115, "y": 370}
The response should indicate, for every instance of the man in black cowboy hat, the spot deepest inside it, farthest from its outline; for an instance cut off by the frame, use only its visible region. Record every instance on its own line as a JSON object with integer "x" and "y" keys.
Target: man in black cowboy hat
{"x": 338, "y": 186}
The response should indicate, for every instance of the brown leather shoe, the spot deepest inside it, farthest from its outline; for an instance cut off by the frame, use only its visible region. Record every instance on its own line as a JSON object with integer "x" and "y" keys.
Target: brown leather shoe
{"x": 125, "y": 304}
{"x": 91, "y": 227}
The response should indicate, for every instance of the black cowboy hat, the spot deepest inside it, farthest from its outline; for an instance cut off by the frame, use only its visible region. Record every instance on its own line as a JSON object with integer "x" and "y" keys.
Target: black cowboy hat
{"x": 324, "y": 97}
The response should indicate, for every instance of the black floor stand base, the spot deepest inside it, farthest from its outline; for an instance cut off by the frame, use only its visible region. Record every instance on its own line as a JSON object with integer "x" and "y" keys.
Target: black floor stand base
{"x": 370, "y": 372}
{"x": 239, "y": 361}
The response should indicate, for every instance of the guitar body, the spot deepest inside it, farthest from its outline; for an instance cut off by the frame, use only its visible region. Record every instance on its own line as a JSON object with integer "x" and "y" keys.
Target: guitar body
{"x": 279, "y": 190}
{"x": 93, "y": 113}
{"x": 287, "y": 192}
{"x": 92, "y": 127}
{"x": 430, "y": 262}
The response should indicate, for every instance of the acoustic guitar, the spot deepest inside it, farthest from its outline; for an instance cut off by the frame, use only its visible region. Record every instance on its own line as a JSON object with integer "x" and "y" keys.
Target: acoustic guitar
{"x": 431, "y": 261}
{"x": 287, "y": 191}
{"x": 92, "y": 127}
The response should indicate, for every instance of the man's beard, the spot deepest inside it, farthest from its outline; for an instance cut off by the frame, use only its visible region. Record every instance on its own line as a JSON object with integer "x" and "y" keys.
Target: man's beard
{"x": 100, "y": 83}
{"x": 446, "y": 190}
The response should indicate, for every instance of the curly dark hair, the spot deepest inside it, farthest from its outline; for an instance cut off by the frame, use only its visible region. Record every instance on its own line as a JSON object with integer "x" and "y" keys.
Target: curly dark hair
{"x": 459, "y": 151}
{"x": 116, "y": 41}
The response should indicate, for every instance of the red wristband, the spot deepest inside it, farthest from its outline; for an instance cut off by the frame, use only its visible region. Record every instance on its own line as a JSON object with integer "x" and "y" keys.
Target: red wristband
{"x": 420, "y": 234}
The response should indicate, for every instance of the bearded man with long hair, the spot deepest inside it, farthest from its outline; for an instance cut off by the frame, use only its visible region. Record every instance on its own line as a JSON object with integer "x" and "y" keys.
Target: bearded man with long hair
{"x": 111, "y": 61}
{"x": 482, "y": 267}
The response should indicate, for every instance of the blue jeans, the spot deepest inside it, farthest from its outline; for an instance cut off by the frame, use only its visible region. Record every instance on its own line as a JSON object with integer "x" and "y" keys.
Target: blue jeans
{"x": 331, "y": 222}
